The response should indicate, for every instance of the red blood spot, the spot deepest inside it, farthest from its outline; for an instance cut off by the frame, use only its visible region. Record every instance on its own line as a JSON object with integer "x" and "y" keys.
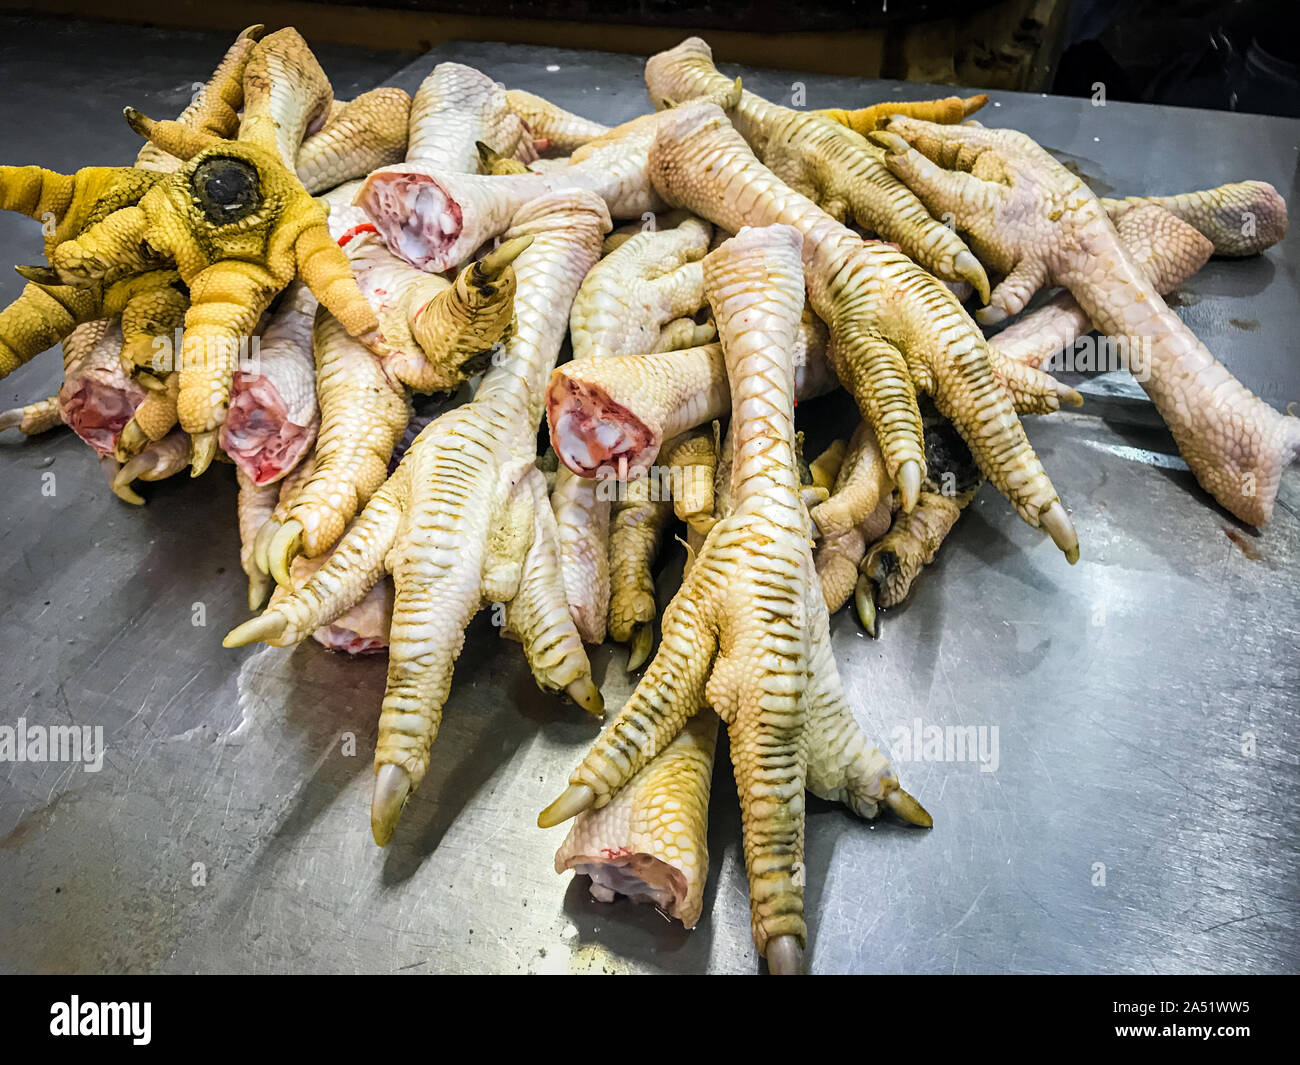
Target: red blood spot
{"x": 356, "y": 231}
{"x": 621, "y": 852}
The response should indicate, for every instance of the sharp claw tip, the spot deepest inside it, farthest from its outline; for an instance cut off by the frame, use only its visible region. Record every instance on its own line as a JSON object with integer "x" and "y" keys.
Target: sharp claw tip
{"x": 784, "y": 956}
{"x": 906, "y": 807}
{"x": 576, "y": 798}
{"x": 864, "y": 600}
{"x": 891, "y": 142}
{"x": 584, "y": 692}
{"x": 495, "y": 262}
{"x": 909, "y": 484}
{"x": 392, "y": 789}
{"x": 203, "y": 449}
{"x": 259, "y": 587}
{"x": 1056, "y": 522}
{"x": 267, "y": 627}
{"x": 38, "y": 275}
{"x": 968, "y": 268}
{"x": 285, "y": 546}
{"x": 638, "y": 648}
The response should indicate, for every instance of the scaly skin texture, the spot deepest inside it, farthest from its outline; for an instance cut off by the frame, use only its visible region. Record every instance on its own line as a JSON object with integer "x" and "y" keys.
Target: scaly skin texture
{"x": 947, "y": 111}
{"x": 362, "y": 135}
{"x": 837, "y": 557}
{"x": 1166, "y": 249}
{"x": 362, "y": 415}
{"x": 693, "y": 460}
{"x": 438, "y": 334}
{"x": 464, "y": 522}
{"x": 861, "y": 485}
{"x": 39, "y": 318}
{"x": 621, "y": 308}
{"x": 640, "y": 514}
{"x": 286, "y": 95}
{"x": 456, "y": 107}
{"x": 457, "y": 328}
{"x": 233, "y": 269}
{"x": 364, "y": 628}
{"x": 151, "y": 306}
{"x": 33, "y": 419}
{"x": 651, "y": 842}
{"x": 896, "y": 328}
{"x": 215, "y": 107}
{"x": 65, "y": 204}
{"x": 637, "y": 524}
{"x": 364, "y": 404}
{"x": 827, "y": 162}
{"x": 237, "y": 224}
{"x": 748, "y": 632}
{"x": 1037, "y": 223}
{"x": 1243, "y": 218}
{"x": 561, "y": 130}
{"x": 273, "y": 416}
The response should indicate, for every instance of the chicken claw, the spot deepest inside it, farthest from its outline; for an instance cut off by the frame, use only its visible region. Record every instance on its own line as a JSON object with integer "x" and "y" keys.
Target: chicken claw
{"x": 1037, "y": 223}
{"x": 748, "y": 633}
{"x": 464, "y": 523}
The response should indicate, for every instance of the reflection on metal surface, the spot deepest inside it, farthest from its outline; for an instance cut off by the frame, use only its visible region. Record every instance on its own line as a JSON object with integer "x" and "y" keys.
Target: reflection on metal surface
{"x": 1138, "y": 454}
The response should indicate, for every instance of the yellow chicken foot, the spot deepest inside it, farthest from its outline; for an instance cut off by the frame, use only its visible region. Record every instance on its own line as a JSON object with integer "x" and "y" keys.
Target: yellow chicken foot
{"x": 827, "y": 162}
{"x": 896, "y": 328}
{"x": 748, "y": 633}
{"x": 948, "y": 110}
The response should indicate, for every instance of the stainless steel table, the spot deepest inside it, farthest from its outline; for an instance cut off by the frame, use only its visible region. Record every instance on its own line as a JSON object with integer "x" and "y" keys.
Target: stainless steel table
{"x": 1141, "y": 816}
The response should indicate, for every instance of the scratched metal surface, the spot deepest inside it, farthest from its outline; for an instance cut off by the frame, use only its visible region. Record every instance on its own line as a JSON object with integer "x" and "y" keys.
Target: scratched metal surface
{"x": 1121, "y": 688}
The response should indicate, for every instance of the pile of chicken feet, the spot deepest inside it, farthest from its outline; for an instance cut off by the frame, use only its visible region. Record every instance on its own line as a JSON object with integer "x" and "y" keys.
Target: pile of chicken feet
{"x": 281, "y": 274}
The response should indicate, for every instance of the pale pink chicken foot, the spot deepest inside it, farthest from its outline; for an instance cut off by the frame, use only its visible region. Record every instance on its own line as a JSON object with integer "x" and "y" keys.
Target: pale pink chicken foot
{"x": 1036, "y": 223}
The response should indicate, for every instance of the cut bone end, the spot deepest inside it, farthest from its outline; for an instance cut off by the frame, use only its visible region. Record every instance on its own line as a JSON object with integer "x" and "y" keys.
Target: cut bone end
{"x": 592, "y": 433}
{"x": 639, "y": 877}
{"x": 417, "y": 217}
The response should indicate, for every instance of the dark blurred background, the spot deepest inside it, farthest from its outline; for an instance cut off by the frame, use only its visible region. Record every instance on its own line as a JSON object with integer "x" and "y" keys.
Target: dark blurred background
{"x": 1240, "y": 56}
